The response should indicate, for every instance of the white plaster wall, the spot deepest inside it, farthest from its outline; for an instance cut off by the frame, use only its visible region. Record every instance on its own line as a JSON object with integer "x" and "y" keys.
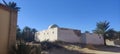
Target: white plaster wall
{"x": 68, "y": 36}
{"x": 50, "y": 34}
{"x": 94, "y": 39}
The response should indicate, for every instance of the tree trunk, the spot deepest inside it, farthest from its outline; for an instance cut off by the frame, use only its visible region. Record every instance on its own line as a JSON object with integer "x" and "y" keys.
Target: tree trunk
{"x": 104, "y": 40}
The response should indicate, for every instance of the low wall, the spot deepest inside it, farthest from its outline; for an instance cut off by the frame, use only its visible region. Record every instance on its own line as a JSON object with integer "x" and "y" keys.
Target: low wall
{"x": 94, "y": 39}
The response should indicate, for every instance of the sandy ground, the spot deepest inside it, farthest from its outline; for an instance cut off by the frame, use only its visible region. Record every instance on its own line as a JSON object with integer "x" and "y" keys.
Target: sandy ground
{"x": 95, "y": 49}
{"x": 86, "y": 49}
{"x": 73, "y": 49}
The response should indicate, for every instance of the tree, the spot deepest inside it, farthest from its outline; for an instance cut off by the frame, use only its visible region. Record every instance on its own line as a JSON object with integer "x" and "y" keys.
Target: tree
{"x": 18, "y": 35}
{"x": 111, "y": 34}
{"x": 34, "y": 30}
{"x": 101, "y": 29}
{"x": 87, "y": 32}
{"x": 23, "y": 48}
{"x": 118, "y": 35}
{"x": 26, "y": 33}
{"x": 33, "y": 33}
{"x": 11, "y": 5}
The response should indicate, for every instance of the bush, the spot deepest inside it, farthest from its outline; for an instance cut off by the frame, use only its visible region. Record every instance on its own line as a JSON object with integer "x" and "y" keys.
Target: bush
{"x": 117, "y": 42}
{"x": 23, "y": 48}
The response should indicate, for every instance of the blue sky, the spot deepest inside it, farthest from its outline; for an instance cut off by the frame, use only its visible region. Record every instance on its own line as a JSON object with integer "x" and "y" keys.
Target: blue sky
{"x": 77, "y": 14}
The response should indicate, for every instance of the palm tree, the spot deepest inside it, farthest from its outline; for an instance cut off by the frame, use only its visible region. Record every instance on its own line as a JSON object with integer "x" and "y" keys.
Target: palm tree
{"x": 33, "y": 33}
{"x": 111, "y": 34}
{"x": 34, "y": 30}
{"x": 18, "y": 35}
{"x": 101, "y": 29}
{"x": 11, "y": 5}
{"x": 118, "y": 35}
{"x": 26, "y": 33}
{"x": 87, "y": 32}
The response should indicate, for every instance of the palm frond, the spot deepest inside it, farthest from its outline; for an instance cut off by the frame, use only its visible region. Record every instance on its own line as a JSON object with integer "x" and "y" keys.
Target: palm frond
{"x": 5, "y": 2}
{"x": 12, "y": 5}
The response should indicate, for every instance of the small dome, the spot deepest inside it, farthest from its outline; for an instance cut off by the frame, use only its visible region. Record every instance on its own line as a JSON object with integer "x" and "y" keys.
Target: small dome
{"x": 53, "y": 26}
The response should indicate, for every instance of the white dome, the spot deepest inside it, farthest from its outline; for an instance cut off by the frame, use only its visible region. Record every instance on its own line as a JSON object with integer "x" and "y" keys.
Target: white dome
{"x": 53, "y": 26}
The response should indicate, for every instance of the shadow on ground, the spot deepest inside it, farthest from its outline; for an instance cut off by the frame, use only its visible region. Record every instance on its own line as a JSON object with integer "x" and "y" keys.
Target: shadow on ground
{"x": 70, "y": 48}
{"x": 98, "y": 47}
{"x": 57, "y": 48}
{"x": 107, "y": 48}
{"x": 65, "y": 51}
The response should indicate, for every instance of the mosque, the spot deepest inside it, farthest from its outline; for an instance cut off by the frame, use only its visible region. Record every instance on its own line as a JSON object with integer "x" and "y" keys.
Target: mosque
{"x": 56, "y": 33}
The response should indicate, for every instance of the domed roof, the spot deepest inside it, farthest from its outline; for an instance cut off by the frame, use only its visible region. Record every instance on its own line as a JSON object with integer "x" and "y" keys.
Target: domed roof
{"x": 53, "y": 26}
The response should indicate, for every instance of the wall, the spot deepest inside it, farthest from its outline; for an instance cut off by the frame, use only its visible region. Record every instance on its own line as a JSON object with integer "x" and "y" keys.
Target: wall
{"x": 68, "y": 35}
{"x": 50, "y": 34}
{"x": 12, "y": 28}
{"x": 4, "y": 29}
{"x": 8, "y": 23}
{"x": 94, "y": 39}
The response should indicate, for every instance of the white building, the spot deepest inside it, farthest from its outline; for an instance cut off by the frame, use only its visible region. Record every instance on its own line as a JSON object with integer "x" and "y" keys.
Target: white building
{"x": 55, "y": 32}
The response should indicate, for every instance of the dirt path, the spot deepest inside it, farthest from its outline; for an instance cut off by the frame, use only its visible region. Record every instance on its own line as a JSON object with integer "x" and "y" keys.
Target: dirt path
{"x": 94, "y": 49}
{"x": 84, "y": 49}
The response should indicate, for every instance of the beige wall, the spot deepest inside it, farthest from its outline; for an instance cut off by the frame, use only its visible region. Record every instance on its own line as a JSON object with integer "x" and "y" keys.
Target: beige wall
{"x": 8, "y": 22}
{"x": 4, "y": 29}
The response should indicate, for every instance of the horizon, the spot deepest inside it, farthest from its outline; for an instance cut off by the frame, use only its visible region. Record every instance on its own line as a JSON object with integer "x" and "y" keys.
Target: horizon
{"x": 76, "y": 14}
